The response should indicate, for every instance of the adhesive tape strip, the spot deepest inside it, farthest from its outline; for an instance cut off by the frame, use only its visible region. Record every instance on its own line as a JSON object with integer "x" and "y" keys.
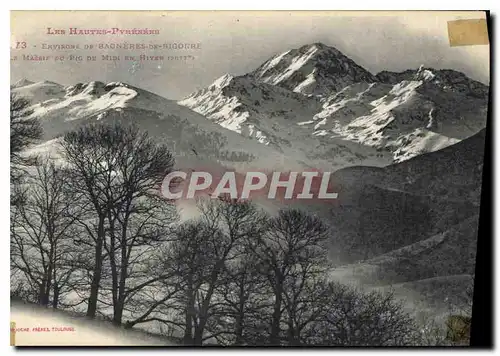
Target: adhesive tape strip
{"x": 468, "y": 32}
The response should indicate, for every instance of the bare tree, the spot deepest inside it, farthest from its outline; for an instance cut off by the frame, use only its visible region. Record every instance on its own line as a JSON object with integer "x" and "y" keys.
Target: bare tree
{"x": 155, "y": 299}
{"x": 198, "y": 259}
{"x": 146, "y": 228}
{"x": 290, "y": 253}
{"x": 236, "y": 222}
{"x": 354, "y": 318}
{"x": 306, "y": 301}
{"x": 243, "y": 296}
{"x": 191, "y": 261}
{"x": 116, "y": 172}
{"x": 40, "y": 232}
{"x": 24, "y": 131}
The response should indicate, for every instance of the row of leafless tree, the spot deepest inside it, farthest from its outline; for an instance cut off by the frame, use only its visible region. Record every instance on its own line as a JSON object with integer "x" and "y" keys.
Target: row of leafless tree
{"x": 262, "y": 280}
{"x": 91, "y": 231}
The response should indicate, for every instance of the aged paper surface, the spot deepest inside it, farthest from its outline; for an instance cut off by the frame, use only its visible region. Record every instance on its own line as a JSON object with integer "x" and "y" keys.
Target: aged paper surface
{"x": 246, "y": 177}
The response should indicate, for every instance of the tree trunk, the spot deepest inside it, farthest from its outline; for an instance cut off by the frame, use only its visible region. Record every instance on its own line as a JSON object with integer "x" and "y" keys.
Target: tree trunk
{"x": 94, "y": 291}
{"x": 120, "y": 300}
{"x": 293, "y": 338}
{"x": 188, "y": 331}
{"x": 203, "y": 313}
{"x": 114, "y": 269}
{"x": 42, "y": 293}
{"x": 239, "y": 329}
{"x": 198, "y": 332}
{"x": 55, "y": 301}
{"x": 240, "y": 316}
{"x": 276, "y": 318}
{"x": 48, "y": 286}
{"x": 96, "y": 277}
{"x": 117, "y": 313}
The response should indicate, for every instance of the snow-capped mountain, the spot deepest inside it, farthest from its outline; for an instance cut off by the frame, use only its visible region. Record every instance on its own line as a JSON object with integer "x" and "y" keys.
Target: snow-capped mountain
{"x": 274, "y": 117}
{"x": 316, "y": 100}
{"x": 421, "y": 209}
{"x": 243, "y": 105}
{"x": 419, "y": 114}
{"x": 314, "y": 69}
{"x": 20, "y": 83}
{"x": 190, "y": 135}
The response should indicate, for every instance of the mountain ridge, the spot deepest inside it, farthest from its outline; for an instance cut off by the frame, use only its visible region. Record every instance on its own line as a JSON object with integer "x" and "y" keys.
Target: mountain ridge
{"x": 389, "y": 117}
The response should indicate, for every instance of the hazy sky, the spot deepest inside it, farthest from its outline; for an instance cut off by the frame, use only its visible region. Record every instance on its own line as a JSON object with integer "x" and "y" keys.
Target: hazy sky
{"x": 238, "y": 42}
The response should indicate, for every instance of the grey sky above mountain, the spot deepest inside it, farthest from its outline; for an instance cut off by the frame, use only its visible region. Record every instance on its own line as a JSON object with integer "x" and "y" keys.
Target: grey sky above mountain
{"x": 237, "y": 43}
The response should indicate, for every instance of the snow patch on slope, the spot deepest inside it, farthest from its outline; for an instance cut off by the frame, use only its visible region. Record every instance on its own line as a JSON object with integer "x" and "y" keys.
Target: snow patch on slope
{"x": 271, "y": 63}
{"x": 397, "y": 121}
{"x": 213, "y": 103}
{"x": 295, "y": 65}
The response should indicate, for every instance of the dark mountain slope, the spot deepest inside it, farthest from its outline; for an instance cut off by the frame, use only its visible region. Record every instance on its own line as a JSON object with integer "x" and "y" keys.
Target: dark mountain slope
{"x": 383, "y": 209}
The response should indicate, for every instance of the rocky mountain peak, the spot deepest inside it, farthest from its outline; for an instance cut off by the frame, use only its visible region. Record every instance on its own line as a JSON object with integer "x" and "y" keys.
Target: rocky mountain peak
{"x": 312, "y": 69}
{"x": 21, "y": 83}
{"x": 222, "y": 82}
{"x": 444, "y": 80}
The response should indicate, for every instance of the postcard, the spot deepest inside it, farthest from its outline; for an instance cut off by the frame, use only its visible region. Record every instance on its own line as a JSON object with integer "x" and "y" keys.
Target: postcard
{"x": 247, "y": 178}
